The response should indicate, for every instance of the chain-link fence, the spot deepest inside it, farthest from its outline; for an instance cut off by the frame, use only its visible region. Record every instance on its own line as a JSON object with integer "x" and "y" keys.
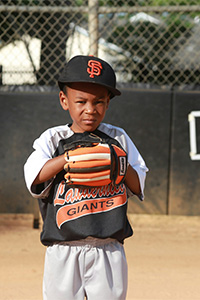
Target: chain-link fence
{"x": 146, "y": 41}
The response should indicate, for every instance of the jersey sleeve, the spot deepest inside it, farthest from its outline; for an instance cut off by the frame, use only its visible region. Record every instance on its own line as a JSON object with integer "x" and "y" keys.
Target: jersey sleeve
{"x": 137, "y": 163}
{"x": 41, "y": 154}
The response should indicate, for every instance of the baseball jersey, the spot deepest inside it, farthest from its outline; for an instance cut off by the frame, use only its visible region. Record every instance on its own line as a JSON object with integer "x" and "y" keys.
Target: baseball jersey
{"x": 74, "y": 213}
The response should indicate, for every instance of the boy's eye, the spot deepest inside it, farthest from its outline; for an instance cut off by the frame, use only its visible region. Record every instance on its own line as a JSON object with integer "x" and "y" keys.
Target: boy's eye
{"x": 100, "y": 101}
{"x": 80, "y": 101}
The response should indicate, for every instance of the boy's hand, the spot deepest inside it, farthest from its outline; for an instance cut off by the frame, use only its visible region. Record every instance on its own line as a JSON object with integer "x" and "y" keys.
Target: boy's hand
{"x": 95, "y": 165}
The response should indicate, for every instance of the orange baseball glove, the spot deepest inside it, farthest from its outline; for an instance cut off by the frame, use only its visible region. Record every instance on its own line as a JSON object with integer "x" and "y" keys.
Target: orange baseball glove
{"x": 95, "y": 165}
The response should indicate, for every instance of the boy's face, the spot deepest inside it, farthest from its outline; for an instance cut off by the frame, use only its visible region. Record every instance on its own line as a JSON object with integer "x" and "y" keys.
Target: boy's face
{"x": 87, "y": 104}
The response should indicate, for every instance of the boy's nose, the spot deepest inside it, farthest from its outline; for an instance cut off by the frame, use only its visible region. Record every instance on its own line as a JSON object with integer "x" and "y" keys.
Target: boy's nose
{"x": 90, "y": 108}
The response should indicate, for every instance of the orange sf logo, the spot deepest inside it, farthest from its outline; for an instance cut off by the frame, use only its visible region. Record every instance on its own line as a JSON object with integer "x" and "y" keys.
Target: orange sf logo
{"x": 94, "y": 68}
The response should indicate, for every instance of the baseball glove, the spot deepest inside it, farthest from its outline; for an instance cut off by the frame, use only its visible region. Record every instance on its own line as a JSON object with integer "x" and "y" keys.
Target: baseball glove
{"x": 95, "y": 164}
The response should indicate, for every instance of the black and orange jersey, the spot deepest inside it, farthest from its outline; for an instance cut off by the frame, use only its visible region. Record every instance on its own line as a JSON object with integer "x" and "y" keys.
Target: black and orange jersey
{"x": 73, "y": 213}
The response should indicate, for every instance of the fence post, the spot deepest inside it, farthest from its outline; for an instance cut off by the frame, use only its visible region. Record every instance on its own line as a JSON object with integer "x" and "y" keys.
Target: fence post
{"x": 93, "y": 6}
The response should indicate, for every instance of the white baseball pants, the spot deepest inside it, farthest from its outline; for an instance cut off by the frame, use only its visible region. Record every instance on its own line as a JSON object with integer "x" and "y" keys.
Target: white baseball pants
{"x": 95, "y": 270}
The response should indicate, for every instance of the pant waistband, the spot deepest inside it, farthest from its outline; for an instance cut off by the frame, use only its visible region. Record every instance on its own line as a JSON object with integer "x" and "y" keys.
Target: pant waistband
{"x": 90, "y": 241}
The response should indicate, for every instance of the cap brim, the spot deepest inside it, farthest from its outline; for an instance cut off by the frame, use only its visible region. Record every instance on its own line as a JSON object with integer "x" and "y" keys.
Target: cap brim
{"x": 114, "y": 91}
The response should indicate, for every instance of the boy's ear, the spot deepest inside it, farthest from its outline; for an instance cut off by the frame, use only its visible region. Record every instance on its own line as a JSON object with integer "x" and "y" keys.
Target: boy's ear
{"x": 63, "y": 100}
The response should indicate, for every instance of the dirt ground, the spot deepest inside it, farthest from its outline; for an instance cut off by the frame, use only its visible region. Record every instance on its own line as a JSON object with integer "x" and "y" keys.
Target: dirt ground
{"x": 163, "y": 258}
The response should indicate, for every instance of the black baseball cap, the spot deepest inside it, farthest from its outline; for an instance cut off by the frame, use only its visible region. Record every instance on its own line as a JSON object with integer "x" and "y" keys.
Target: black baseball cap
{"x": 91, "y": 69}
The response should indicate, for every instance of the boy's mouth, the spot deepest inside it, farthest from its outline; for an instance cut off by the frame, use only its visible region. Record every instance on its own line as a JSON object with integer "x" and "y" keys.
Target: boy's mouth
{"x": 89, "y": 121}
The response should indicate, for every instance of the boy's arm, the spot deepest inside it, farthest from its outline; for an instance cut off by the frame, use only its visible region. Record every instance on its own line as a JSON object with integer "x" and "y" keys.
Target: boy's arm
{"x": 50, "y": 169}
{"x": 132, "y": 181}
{"x": 56, "y": 165}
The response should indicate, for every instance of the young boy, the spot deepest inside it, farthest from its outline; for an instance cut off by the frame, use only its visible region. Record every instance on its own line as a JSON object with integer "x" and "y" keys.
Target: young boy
{"x": 84, "y": 227}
